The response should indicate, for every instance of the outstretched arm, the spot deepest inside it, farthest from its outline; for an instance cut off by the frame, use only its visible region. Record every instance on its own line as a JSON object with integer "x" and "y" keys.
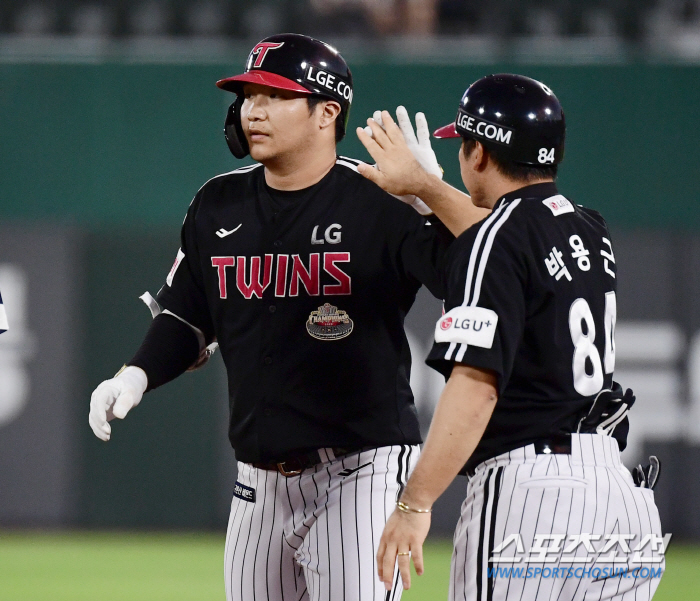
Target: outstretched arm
{"x": 400, "y": 173}
{"x": 175, "y": 342}
{"x": 464, "y": 410}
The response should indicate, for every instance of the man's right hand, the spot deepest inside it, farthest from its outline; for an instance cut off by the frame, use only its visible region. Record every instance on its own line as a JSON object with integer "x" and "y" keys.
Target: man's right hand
{"x": 398, "y": 171}
{"x": 418, "y": 141}
{"x": 115, "y": 398}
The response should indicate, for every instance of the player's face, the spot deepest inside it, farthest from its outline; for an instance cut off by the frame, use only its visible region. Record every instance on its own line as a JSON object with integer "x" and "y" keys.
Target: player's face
{"x": 276, "y": 122}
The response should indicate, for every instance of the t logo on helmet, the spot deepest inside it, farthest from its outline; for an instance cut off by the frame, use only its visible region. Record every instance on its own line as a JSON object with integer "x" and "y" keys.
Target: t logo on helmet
{"x": 261, "y": 50}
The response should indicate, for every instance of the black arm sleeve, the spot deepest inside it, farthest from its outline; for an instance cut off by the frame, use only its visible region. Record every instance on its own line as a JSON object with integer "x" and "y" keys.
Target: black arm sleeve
{"x": 168, "y": 350}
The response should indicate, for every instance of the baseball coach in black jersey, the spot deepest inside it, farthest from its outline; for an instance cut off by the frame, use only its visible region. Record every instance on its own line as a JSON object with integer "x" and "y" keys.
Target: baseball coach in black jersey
{"x": 530, "y": 412}
{"x": 303, "y": 271}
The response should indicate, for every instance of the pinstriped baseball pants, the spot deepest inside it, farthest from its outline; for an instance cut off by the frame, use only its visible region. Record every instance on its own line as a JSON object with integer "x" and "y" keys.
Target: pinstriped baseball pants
{"x": 587, "y": 492}
{"x": 314, "y": 537}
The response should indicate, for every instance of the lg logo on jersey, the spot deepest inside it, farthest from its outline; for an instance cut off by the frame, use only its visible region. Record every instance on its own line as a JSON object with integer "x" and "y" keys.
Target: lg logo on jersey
{"x": 251, "y": 282}
{"x": 332, "y": 235}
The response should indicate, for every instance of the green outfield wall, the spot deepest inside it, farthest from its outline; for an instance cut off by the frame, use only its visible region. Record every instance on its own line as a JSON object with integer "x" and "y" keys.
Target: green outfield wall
{"x": 132, "y": 143}
{"x": 98, "y": 163}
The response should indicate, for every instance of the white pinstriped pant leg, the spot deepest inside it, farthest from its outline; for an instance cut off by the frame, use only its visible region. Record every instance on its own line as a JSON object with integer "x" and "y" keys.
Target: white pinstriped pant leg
{"x": 259, "y": 564}
{"x": 632, "y": 508}
{"x": 315, "y": 536}
{"x": 466, "y": 541}
{"x": 341, "y": 519}
{"x": 589, "y": 491}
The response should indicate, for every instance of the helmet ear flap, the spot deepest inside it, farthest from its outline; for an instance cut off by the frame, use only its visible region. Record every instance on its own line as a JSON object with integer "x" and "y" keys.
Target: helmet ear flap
{"x": 233, "y": 130}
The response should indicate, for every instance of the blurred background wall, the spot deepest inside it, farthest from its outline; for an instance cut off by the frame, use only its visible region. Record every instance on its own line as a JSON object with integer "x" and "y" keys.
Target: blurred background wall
{"x": 110, "y": 122}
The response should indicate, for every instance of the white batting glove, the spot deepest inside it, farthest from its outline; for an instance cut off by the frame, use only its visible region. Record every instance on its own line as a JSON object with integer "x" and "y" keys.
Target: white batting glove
{"x": 418, "y": 142}
{"x": 420, "y": 148}
{"x": 115, "y": 398}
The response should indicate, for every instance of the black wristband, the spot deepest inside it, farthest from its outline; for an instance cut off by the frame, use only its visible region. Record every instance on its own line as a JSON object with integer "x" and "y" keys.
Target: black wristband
{"x": 168, "y": 350}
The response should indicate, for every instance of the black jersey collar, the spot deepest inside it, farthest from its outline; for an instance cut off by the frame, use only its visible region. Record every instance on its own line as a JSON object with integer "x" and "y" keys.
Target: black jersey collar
{"x": 535, "y": 191}
{"x": 285, "y": 203}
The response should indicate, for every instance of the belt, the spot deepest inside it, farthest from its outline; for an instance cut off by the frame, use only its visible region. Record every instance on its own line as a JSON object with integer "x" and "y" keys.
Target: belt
{"x": 293, "y": 466}
{"x": 557, "y": 445}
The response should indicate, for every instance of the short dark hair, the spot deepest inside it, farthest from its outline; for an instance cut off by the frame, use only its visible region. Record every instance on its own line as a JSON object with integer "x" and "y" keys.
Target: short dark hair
{"x": 512, "y": 170}
{"x": 313, "y": 100}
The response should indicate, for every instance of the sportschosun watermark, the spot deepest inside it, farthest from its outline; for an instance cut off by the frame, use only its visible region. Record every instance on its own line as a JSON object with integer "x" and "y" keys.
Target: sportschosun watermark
{"x": 593, "y": 556}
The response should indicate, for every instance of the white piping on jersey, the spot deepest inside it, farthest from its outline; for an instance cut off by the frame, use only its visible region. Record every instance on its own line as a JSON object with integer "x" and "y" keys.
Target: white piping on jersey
{"x": 450, "y": 350}
{"x": 460, "y": 353}
{"x": 475, "y": 252}
{"x": 501, "y": 215}
{"x": 347, "y": 163}
{"x": 487, "y": 250}
{"x": 243, "y": 169}
{"x": 498, "y": 218}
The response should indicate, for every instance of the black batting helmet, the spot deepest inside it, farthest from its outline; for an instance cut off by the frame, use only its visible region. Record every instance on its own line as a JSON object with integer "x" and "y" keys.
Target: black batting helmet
{"x": 517, "y": 118}
{"x": 291, "y": 62}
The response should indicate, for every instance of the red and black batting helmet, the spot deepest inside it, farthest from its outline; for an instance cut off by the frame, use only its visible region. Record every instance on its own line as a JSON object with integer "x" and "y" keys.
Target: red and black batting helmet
{"x": 517, "y": 118}
{"x": 289, "y": 61}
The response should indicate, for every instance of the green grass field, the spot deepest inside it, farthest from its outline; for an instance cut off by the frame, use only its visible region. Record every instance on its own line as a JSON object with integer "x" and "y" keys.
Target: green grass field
{"x": 189, "y": 567}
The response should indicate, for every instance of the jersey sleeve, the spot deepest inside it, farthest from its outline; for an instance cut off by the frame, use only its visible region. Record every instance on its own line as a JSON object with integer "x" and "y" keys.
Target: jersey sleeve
{"x": 485, "y": 305}
{"x": 422, "y": 250}
{"x": 183, "y": 293}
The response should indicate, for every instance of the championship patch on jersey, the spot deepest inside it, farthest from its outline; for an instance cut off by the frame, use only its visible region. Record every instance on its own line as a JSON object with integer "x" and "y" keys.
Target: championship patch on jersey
{"x": 558, "y": 205}
{"x": 328, "y": 323}
{"x": 178, "y": 260}
{"x": 467, "y": 325}
{"x": 243, "y": 492}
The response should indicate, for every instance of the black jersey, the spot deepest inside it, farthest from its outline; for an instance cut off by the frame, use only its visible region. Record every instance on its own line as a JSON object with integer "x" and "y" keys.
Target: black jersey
{"x": 306, "y": 294}
{"x": 531, "y": 296}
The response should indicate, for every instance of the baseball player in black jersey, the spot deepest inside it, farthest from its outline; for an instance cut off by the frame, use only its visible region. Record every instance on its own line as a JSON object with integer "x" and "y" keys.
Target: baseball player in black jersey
{"x": 530, "y": 411}
{"x": 303, "y": 272}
